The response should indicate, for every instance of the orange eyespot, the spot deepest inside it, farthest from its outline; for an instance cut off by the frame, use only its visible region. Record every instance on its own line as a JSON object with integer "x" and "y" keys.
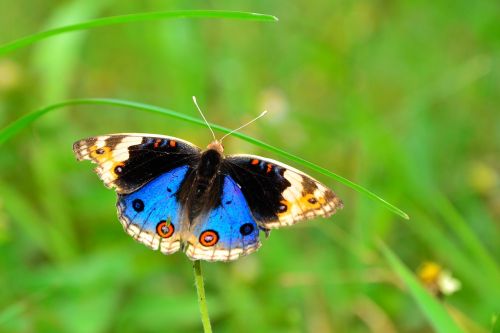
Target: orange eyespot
{"x": 99, "y": 153}
{"x": 283, "y": 207}
{"x": 209, "y": 238}
{"x": 269, "y": 167}
{"x": 311, "y": 201}
{"x": 254, "y": 162}
{"x": 172, "y": 143}
{"x": 157, "y": 143}
{"x": 165, "y": 229}
{"x": 118, "y": 169}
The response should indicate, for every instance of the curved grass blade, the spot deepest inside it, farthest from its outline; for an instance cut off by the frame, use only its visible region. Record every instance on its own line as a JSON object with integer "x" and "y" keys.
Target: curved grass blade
{"x": 433, "y": 310}
{"x": 9, "y": 131}
{"x": 139, "y": 17}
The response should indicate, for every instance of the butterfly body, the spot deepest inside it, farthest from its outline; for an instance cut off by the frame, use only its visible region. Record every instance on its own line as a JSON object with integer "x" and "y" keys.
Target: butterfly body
{"x": 202, "y": 190}
{"x": 172, "y": 195}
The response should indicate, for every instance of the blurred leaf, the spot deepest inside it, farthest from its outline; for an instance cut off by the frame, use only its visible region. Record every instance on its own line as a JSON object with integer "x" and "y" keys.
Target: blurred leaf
{"x": 496, "y": 324}
{"x": 464, "y": 320}
{"x": 9, "y": 314}
{"x": 474, "y": 247}
{"x": 433, "y": 310}
{"x": 29, "y": 220}
{"x": 464, "y": 263}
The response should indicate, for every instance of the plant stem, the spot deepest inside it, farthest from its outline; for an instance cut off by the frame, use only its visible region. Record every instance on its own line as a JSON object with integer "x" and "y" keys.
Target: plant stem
{"x": 202, "y": 300}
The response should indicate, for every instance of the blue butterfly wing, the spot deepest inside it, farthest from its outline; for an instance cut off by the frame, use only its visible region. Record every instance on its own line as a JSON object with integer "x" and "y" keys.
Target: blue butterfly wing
{"x": 227, "y": 232}
{"x": 151, "y": 215}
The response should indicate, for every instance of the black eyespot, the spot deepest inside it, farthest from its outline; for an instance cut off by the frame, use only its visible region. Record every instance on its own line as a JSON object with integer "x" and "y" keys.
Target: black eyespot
{"x": 229, "y": 202}
{"x": 118, "y": 170}
{"x": 282, "y": 208}
{"x": 138, "y": 205}
{"x": 169, "y": 190}
{"x": 246, "y": 229}
{"x": 312, "y": 200}
{"x": 100, "y": 151}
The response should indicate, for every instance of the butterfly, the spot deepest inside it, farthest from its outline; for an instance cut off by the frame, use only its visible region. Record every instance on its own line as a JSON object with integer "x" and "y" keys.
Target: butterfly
{"x": 173, "y": 196}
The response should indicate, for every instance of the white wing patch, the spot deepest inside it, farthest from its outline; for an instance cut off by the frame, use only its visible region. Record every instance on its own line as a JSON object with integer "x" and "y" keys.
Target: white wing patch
{"x": 197, "y": 252}
{"x": 305, "y": 203}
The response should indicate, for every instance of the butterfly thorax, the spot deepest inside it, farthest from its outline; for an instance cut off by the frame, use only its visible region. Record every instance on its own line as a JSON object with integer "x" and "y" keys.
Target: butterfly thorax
{"x": 200, "y": 192}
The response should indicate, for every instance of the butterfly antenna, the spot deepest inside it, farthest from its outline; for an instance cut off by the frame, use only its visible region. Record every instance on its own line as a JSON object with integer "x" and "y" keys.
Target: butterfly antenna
{"x": 206, "y": 122}
{"x": 251, "y": 121}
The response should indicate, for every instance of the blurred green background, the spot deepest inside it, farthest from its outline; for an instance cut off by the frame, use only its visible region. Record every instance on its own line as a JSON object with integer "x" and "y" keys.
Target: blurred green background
{"x": 400, "y": 96}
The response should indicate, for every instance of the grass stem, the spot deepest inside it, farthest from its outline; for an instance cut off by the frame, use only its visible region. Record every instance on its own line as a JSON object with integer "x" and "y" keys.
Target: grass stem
{"x": 202, "y": 300}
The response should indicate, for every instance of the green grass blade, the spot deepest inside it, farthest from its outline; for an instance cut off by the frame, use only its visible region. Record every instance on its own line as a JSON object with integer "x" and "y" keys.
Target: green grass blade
{"x": 433, "y": 310}
{"x": 7, "y": 132}
{"x": 460, "y": 227}
{"x": 139, "y": 17}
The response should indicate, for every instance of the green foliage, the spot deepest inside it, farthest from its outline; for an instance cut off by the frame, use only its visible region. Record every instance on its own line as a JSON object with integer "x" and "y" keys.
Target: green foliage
{"x": 400, "y": 97}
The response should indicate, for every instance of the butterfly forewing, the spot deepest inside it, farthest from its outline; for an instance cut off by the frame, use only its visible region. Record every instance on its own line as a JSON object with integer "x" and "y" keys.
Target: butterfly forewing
{"x": 279, "y": 195}
{"x": 128, "y": 161}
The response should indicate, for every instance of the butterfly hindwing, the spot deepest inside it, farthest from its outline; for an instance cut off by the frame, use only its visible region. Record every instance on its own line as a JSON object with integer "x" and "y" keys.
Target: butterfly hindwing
{"x": 227, "y": 232}
{"x": 151, "y": 215}
{"x": 277, "y": 194}
{"x": 128, "y": 161}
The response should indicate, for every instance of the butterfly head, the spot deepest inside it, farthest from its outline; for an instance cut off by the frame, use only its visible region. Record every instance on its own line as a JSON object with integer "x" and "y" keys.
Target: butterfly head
{"x": 217, "y": 146}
